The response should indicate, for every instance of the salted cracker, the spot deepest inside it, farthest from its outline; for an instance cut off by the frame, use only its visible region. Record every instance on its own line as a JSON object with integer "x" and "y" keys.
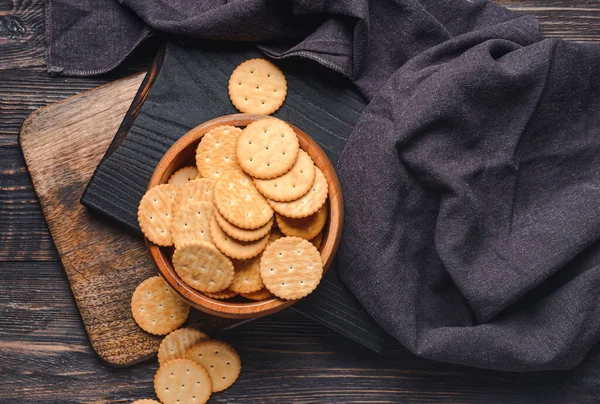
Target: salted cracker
{"x": 246, "y": 278}
{"x": 305, "y": 227}
{"x": 183, "y": 176}
{"x": 242, "y": 234}
{"x": 197, "y": 190}
{"x": 192, "y": 223}
{"x": 234, "y": 248}
{"x": 156, "y": 308}
{"x": 291, "y": 268}
{"x": 240, "y": 203}
{"x": 215, "y": 154}
{"x": 203, "y": 267}
{"x": 155, "y": 213}
{"x": 259, "y": 295}
{"x": 177, "y": 343}
{"x": 267, "y": 148}
{"x": 182, "y": 381}
{"x": 292, "y": 185}
{"x": 257, "y": 86}
{"x": 221, "y": 361}
{"x": 309, "y": 203}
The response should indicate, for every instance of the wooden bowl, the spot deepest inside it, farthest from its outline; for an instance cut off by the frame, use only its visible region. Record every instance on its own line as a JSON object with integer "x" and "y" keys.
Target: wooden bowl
{"x": 182, "y": 153}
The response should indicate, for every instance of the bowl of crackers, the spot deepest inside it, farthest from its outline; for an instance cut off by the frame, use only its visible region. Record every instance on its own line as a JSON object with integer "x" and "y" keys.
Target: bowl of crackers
{"x": 243, "y": 215}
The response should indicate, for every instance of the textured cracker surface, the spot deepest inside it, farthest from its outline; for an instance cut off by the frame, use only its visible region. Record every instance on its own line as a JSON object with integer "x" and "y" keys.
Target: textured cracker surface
{"x": 156, "y": 308}
{"x": 291, "y": 268}
{"x": 221, "y": 361}
{"x": 305, "y": 227}
{"x": 240, "y": 203}
{"x": 247, "y": 277}
{"x": 292, "y": 185}
{"x": 239, "y": 233}
{"x": 203, "y": 267}
{"x": 183, "y": 176}
{"x": 197, "y": 190}
{"x": 234, "y": 248}
{"x": 176, "y": 344}
{"x": 309, "y": 203}
{"x": 267, "y": 148}
{"x": 257, "y": 86}
{"x": 180, "y": 380}
{"x": 215, "y": 154}
{"x": 155, "y": 213}
{"x": 191, "y": 223}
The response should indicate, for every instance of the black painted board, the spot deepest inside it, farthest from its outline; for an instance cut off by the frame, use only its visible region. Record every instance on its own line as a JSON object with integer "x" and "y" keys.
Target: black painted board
{"x": 191, "y": 88}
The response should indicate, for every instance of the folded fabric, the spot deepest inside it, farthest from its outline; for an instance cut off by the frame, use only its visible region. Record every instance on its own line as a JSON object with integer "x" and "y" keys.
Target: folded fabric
{"x": 471, "y": 180}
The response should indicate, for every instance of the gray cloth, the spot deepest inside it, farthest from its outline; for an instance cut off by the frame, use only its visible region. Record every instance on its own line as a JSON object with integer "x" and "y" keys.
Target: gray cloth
{"x": 471, "y": 182}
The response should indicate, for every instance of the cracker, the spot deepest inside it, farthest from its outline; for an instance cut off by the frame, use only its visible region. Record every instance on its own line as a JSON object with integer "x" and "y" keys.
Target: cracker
{"x": 215, "y": 154}
{"x": 317, "y": 241}
{"x": 267, "y": 148}
{"x": 291, "y": 185}
{"x": 220, "y": 360}
{"x": 192, "y": 223}
{"x": 198, "y": 190}
{"x": 156, "y": 308}
{"x": 309, "y": 203}
{"x": 240, "y": 203}
{"x": 275, "y": 235}
{"x": 155, "y": 213}
{"x": 242, "y": 234}
{"x": 182, "y": 381}
{"x": 257, "y": 86}
{"x": 305, "y": 227}
{"x": 234, "y": 248}
{"x": 222, "y": 295}
{"x": 183, "y": 176}
{"x": 262, "y": 294}
{"x": 247, "y": 276}
{"x": 145, "y": 401}
{"x": 203, "y": 267}
{"x": 176, "y": 344}
{"x": 291, "y": 268}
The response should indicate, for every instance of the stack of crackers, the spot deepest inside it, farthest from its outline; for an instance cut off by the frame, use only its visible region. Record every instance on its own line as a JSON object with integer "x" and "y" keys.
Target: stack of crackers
{"x": 221, "y": 214}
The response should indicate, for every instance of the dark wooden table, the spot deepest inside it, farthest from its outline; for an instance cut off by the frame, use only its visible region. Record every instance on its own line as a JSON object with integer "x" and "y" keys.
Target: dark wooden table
{"x": 45, "y": 356}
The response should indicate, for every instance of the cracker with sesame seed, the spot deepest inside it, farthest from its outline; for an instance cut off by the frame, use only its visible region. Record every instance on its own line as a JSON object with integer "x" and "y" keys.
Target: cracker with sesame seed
{"x": 215, "y": 154}
{"x": 203, "y": 267}
{"x": 178, "y": 343}
{"x": 192, "y": 223}
{"x": 309, "y": 203}
{"x": 183, "y": 176}
{"x": 182, "y": 381}
{"x": 291, "y": 268}
{"x": 267, "y": 148}
{"x": 155, "y": 213}
{"x": 305, "y": 227}
{"x": 221, "y": 361}
{"x": 292, "y": 185}
{"x": 234, "y": 248}
{"x": 240, "y": 203}
{"x": 156, "y": 308}
{"x": 257, "y": 86}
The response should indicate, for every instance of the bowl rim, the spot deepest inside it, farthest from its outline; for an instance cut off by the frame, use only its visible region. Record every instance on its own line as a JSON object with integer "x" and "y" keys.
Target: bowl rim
{"x": 328, "y": 249}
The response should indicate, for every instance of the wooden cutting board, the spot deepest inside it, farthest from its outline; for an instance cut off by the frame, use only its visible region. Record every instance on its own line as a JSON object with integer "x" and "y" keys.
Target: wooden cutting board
{"x": 62, "y": 144}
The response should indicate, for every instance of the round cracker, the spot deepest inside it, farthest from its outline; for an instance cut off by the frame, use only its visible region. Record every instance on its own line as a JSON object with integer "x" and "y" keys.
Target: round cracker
{"x": 239, "y": 233}
{"x": 305, "y": 227}
{"x": 156, "y": 308}
{"x": 267, "y": 148}
{"x": 155, "y": 213}
{"x": 198, "y": 190}
{"x": 275, "y": 235}
{"x": 215, "y": 154}
{"x": 192, "y": 223}
{"x": 240, "y": 203}
{"x": 292, "y": 185}
{"x": 309, "y": 203}
{"x": 247, "y": 276}
{"x": 203, "y": 267}
{"x": 317, "y": 241}
{"x": 146, "y": 401}
{"x": 259, "y": 295}
{"x": 234, "y": 248}
{"x": 220, "y": 360}
{"x": 291, "y": 268}
{"x": 183, "y": 176}
{"x": 176, "y": 344}
{"x": 257, "y": 86}
{"x": 222, "y": 295}
{"x": 182, "y": 381}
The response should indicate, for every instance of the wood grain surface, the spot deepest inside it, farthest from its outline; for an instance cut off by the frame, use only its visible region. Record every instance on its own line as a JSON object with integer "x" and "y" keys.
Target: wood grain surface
{"x": 45, "y": 356}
